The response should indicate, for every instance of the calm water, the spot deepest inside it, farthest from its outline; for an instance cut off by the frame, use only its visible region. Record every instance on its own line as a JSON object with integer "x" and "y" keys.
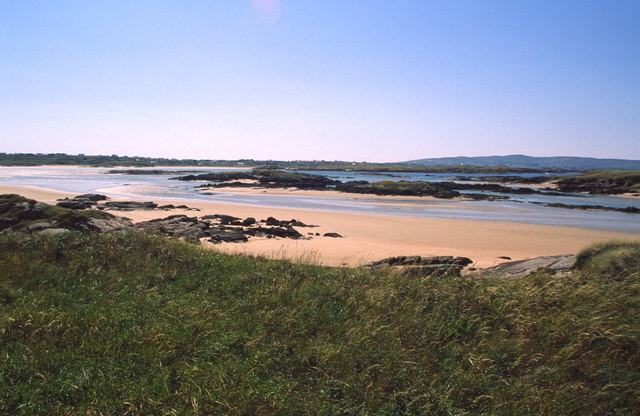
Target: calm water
{"x": 158, "y": 187}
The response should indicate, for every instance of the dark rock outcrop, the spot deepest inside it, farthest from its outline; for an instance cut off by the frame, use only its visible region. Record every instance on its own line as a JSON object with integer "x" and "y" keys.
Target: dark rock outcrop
{"x": 92, "y": 197}
{"x": 628, "y": 210}
{"x": 129, "y": 205}
{"x": 282, "y": 232}
{"x": 224, "y": 219}
{"x": 424, "y": 266}
{"x": 598, "y": 185}
{"x": 189, "y": 228}
{"x": 101, "y": 225}
{"x": 18, "y": 213}
{"x": 84, "y": 201}
{"x": 267, "y": 178}
{"x": 285, "y": 223}
{"x": 76, "y": 203}
{"x": 249, "y": 221}
{"x": 220, "y": 235}
{"x": 218, "y": 228}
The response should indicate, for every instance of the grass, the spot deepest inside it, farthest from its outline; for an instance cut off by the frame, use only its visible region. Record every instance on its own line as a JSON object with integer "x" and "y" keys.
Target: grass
{"x": 627, "y": 178}
{"x": 127, "y": 323}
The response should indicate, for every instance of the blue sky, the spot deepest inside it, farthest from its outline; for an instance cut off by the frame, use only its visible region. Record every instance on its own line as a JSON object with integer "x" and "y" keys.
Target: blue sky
{"x": 373, "y": 80}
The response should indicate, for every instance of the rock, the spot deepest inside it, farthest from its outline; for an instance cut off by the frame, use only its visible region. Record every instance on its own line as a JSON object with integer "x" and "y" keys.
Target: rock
{"x": 249, "y": 221}
{"x": 181, "y": 226}
{"x": 628, "y": 210}
{"x": 333, "y": 235}
{"x": 102, "y": 225}
{"x": 268, "y": 178}
{"x": 8, "y": 222}
{"x": 28, "y": 210}
{"x": 504, "y": 257}
{"x": 129, "y": 205}
{"x": 283, "y": 223}
{"x": 92, "y": 197}
{"x": 424, "y": 266}
{"x": 76, "y": 203}
{"x": 227, "y": 236}
{"x": 522, "y": 268}
{"x": 272, "y": 221}
{"x": 274, "y": 232}
{"x": 83, "y": 201}
{"x": 224, "y": 219}
{"x": 596, "y": 185}
{"x": 39, "y": 226}
{"x": 54, "y": 231}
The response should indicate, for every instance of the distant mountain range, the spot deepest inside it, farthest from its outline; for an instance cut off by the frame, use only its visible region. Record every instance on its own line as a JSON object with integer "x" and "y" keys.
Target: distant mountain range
{"x": 554, "y": 162}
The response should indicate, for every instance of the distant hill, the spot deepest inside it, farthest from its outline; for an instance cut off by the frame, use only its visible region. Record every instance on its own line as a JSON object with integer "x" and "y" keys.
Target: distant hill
{"x": 554, "y": 162}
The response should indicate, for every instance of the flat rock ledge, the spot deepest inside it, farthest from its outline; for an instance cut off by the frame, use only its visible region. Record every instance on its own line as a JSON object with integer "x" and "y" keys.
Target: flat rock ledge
{"x": 88, "y": 201}
{"x": 423, "y": 266}
{"x": 521, "y": 268}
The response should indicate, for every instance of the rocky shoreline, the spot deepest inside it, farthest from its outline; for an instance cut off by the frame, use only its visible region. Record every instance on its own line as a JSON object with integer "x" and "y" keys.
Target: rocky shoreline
{"x": 274, "y": 179}
{"x": 79, "y": 214}
{"x": 19, "y": 214}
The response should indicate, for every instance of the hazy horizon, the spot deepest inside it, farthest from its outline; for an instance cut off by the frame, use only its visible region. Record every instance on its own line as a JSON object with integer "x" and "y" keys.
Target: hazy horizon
{"x": 368, "y": 81}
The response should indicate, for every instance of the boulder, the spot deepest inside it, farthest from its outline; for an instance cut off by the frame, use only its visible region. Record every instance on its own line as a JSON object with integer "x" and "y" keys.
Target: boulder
{"x": 92, "y": 197}
{"x": 274, "y": 232}
{"x": 39, "y": 226}
{"x": 227, "y": 236}
{"x": 284, "y": 223}
{"x": 54, "y": 231}
{"x": 521, "y": 268}
{"x": 102, "y": 225}
{"x": 8, "y": 222}
{"x": 333, "y": 235}
{"x": 272, "y": 221}
{"x": 181, "y": 226}
{"x": 249, "y": 221}
{"x": 224, "y": 219}
{"x": 424, "y": 266}
{"x": 76, "y": 203}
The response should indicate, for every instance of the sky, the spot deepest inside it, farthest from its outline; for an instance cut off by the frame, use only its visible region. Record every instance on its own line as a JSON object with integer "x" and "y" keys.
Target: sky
{"x": 355, "y": 80}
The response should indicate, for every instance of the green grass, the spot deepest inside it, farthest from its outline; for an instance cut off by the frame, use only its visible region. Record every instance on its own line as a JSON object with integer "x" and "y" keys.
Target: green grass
{"x": 30, "y": 159}
{"x": 127, "y": 323}
{"x": 628, "y": 178}
{"x": 632, "y": 175}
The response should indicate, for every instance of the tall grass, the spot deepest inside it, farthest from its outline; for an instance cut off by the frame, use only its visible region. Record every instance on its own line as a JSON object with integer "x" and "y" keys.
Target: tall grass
{"x": 127, "y": 323}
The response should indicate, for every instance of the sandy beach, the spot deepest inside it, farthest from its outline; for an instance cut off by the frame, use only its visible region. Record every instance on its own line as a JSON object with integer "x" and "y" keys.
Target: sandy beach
{"x": 368, "y": 237}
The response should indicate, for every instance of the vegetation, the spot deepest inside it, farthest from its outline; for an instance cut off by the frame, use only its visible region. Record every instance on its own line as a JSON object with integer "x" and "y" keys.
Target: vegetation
{"x": 601, "y": 182}
{"x": 29, "y": 159}
{"x": 632, "y": 176}
{"x": 127, "y": 323}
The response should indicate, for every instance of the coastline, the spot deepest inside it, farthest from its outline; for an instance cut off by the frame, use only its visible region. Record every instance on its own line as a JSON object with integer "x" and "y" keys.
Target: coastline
{"x": 369, "y": 237}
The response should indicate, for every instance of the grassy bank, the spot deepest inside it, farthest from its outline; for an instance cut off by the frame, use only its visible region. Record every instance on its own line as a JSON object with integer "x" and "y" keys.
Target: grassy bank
{"x": 134, "y": 324}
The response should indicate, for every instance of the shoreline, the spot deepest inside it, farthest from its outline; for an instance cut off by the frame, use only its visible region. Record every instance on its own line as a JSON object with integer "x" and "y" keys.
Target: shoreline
{"x": 369, "y": 237}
